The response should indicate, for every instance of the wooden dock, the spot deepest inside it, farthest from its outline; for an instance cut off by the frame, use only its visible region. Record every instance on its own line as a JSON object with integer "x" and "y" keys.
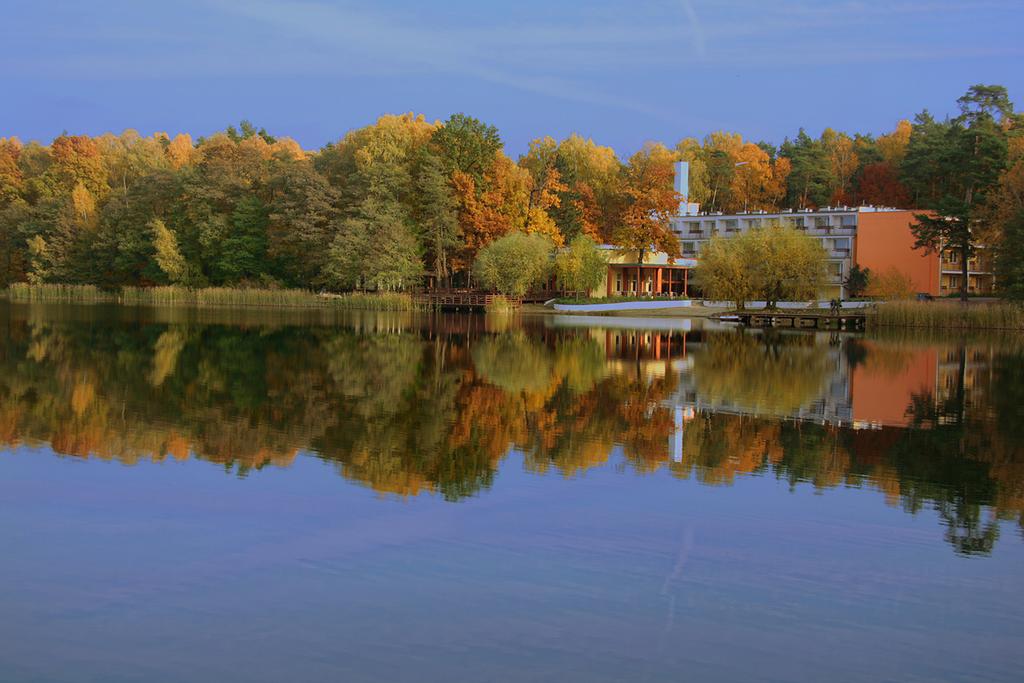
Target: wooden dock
{"x": 846, "y": 320}
{"x": 462, "y": 300}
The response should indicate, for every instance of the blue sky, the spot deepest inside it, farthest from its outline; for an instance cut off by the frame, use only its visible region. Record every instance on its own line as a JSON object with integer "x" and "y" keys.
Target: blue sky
{"x": 620, "y": 72}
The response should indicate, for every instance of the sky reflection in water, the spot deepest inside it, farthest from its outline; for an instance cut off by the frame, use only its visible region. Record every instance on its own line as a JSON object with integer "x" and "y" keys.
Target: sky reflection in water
{"x": 715, "y": 504}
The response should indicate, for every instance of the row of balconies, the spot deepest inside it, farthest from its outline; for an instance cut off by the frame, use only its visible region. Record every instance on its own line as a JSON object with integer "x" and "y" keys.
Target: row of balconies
{"x": 700, "y": 231}
{"x": 973, "y": 266}
{"x": 696, "y": 240}
{"x": 754, "y": 220}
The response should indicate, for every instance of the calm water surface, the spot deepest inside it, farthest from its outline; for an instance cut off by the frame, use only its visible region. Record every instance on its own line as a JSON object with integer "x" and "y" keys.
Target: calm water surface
{"x": 211, "y": 495}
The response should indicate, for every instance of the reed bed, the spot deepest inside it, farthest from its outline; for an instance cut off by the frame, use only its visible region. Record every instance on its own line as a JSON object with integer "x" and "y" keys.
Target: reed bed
{"x": 223, "y": 296}
{"x": 948, "y": 316}
{"x": 377, "y": 301}
{"x": 228, "y": 297}
{"x": 23, "y": 291}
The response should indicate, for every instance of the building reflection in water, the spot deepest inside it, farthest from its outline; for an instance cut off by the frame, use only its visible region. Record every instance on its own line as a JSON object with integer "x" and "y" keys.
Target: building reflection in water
{"x": 407, "y": 404}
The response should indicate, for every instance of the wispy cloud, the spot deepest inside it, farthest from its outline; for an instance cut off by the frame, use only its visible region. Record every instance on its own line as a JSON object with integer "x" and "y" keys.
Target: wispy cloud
{"x": 585, "y": 55}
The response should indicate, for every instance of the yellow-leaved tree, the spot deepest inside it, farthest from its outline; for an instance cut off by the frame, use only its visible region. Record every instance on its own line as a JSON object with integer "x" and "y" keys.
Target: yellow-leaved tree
{"x": 774, "y": 263}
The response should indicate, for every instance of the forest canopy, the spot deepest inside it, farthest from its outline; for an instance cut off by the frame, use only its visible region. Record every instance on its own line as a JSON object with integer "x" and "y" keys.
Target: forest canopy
{"x": 406, "y": 201}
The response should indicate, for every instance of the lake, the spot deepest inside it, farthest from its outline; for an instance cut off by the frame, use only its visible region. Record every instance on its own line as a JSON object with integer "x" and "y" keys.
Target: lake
{"x": 193, "y": 495}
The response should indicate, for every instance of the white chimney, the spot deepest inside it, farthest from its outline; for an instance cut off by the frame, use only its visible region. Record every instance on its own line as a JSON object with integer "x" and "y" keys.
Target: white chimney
{"x": 682, "y": 186}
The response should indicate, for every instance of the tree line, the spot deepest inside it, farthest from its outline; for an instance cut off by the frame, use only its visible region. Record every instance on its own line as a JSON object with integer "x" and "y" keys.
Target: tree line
{"x": 405, "y": 200}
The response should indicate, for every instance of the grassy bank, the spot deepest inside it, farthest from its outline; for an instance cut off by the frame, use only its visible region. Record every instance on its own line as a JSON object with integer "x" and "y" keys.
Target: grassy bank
{"x": 948, "y": 316}
{"x": 211, "y": 296}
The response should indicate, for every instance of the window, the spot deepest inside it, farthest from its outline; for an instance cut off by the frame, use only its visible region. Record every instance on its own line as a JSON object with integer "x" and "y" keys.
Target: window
{"x": 731, "y": 224}
{"x": 689, "y": 248}
{"x": 848, "y": 221}
{"x": 694, "y": 227}
{"x": 821, "y": 221}
{"x": 798, "y": 223}
{"x": 841, "y": 244}
{"x": 835, "y": 268}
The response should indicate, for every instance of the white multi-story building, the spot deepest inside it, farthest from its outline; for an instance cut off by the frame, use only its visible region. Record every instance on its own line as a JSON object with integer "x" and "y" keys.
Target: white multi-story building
{"x": 848, "y": 234}
{"x": 880, "y": 239}
{"x": 836, "y": 227}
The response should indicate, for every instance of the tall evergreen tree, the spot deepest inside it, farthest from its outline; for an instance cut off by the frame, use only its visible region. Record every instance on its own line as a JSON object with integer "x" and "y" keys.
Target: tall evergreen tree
{"x": 1010, "y": 259}
{"x": 953, "y": 166}
{"x": 808, "y": 183}
{"x": 244, "y": 251}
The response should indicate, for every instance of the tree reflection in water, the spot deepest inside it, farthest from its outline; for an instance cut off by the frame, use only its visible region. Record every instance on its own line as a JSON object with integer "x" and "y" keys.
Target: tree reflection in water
{"x": 407, "y": 406}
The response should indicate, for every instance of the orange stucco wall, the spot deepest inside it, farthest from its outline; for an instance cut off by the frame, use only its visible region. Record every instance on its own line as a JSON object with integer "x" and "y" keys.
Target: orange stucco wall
{"x": 884, "y": 241}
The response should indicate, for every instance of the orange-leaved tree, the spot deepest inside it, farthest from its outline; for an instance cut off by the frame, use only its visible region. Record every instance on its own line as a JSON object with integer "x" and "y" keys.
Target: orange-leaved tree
{"x": 651, "y": 202}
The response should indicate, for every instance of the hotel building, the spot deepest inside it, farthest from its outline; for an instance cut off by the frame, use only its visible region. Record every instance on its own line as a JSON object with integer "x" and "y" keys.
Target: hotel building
{"x": 878, "y": 238}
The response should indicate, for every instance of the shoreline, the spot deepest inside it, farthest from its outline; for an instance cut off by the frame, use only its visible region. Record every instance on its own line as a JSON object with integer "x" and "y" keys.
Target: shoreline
{"x": 937, "y": 315}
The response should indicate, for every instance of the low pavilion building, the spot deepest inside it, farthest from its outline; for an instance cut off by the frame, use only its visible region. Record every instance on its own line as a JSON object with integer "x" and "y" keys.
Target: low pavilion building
{"x": 657, "y": 275}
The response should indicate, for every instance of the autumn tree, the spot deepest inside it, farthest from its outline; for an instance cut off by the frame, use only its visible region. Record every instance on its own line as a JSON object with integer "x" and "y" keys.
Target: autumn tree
{"x": 129, "y": 158}
{"x": 774, "y": 263}
{"x": 719, "y": 156}
{"x": 375, "y": 249}
{"x": 843, "y": 163}
{"x": 76, "y": 161}
{"x": 758, "y": 182}
{"x": 13, "y": 212}
{"x": 514, "y": 263}
{"x": 592, "y": 201}
{"x": 494, "y": 210}
{"x": 1003, "y": 216}
{"x": 167, "y": 254}
{"x": 879, "y": 185}
{"x": 437, "y": 211}
{"x": 13, "y": 248}
{"x": 12, "y": 179}
{"x": 302, "y": 207}
{"x": 247, "y": 206}
{"x": 651, "y": 203}
{"x": 791, "y": 265}
{"x": 890, "y": 284}
{"x": 180, "y": 150}
{"x": 892, "y": 147}
{"x": 728, "y": 267}
{"x": 581, "y": 266}
{"x": 468, "y": 145}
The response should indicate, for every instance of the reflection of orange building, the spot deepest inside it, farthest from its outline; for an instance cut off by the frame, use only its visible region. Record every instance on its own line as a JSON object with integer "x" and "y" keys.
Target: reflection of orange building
{"x": 883, "y": 387}
{"x": 885, "y": 242}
